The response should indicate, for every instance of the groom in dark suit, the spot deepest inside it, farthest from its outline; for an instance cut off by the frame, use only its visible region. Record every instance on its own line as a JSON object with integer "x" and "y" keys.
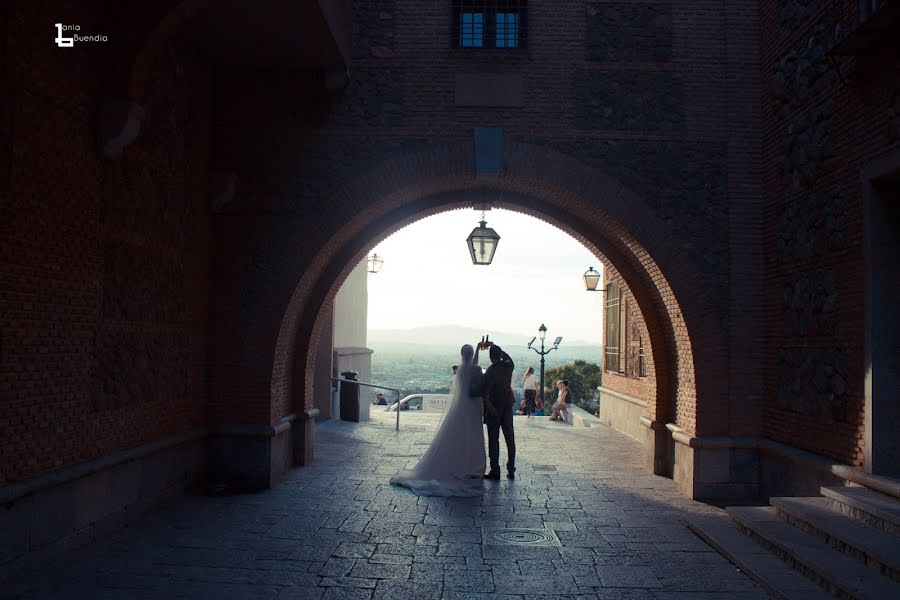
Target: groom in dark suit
{"x": 498, "y": 411}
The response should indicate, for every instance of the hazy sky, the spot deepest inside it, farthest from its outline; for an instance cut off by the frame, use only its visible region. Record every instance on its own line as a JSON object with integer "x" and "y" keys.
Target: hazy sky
{"x": 536, "y": 277}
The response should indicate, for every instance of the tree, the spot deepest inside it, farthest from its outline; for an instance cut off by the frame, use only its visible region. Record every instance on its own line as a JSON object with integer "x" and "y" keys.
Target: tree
{"x": 584, "y": 378}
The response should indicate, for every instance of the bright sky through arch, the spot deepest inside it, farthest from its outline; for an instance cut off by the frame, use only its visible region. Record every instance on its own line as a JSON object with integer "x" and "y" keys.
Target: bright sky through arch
{"x": 536, "y": 277}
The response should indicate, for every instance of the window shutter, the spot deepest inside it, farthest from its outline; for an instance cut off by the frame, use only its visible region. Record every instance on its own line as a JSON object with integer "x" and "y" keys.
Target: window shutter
{"x": 612, "y": 327}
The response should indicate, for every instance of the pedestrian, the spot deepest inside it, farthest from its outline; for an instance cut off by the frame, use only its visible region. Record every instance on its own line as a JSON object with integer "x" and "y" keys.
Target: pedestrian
{"x": 562, "y": 399}
{"x": 529, "y": 385}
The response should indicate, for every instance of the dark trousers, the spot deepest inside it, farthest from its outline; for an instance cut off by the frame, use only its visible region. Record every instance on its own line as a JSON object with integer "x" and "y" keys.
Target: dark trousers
{"x": 529, "y": 401}
{"x": 494, "y": 425}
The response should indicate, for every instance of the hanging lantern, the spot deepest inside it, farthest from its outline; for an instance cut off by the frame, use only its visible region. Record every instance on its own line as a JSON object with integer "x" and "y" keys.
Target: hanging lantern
{"x": 375, "y": 263}
{"x": 483, "y": 243}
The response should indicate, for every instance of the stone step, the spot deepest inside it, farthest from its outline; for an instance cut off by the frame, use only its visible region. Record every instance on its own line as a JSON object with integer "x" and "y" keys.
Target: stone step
{"x": 873, "y": 508}
{"x": 772, "y": 574}
{"x": 872, "y": 547}
{"x": 833, "y": 571}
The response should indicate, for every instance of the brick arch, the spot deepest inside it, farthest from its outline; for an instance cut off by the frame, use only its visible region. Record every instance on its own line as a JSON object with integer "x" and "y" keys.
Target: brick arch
{"x": 594, "y": 208}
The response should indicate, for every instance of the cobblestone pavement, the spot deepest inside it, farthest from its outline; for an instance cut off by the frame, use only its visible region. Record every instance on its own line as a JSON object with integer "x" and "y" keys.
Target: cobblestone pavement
{"x": 337, "y": 530}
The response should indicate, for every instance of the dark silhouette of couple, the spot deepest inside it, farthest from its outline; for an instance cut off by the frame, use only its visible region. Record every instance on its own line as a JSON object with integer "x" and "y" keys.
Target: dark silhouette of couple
{"x": 454, "y": 463}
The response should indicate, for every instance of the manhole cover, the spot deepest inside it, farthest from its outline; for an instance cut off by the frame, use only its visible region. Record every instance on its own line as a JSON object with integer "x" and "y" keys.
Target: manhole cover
{"x": 521, "y": 537}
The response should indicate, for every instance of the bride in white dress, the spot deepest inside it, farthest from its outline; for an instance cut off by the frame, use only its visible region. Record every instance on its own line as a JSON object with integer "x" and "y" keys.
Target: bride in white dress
{"x": 454, "y": 463}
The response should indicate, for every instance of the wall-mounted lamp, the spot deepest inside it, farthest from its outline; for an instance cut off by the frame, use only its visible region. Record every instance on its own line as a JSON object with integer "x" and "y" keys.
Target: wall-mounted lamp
{"x": 591, "y": 280}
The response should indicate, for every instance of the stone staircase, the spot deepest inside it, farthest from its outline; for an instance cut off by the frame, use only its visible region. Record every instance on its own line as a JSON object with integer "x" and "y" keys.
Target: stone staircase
{"x": 844, "y": 543}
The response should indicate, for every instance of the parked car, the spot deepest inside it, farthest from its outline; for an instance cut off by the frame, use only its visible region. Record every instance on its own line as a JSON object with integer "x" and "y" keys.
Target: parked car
{"x": 427, "y": 403}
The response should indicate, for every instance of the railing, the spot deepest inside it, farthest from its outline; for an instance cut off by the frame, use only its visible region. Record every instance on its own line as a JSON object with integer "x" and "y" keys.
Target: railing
{"x": 373, "y": 385}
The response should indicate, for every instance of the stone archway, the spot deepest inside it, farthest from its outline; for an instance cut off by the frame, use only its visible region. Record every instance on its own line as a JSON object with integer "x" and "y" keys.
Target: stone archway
{"x": 592, "y": 207}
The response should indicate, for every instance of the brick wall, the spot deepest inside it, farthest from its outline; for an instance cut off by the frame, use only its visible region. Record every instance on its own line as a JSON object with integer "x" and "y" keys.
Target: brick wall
{"x": 629, "y": 381}
{"x": 823, "y": 122}
{"x": 637, "y": 130}
{"x": 104, "y": 263}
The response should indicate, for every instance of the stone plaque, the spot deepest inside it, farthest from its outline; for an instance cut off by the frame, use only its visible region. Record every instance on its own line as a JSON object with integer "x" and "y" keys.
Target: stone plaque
{"x": 489, "y": 89}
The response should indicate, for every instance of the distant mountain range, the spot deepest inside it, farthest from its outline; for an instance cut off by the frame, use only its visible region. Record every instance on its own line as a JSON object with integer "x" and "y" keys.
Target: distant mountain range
{"x": 452, "y": 336}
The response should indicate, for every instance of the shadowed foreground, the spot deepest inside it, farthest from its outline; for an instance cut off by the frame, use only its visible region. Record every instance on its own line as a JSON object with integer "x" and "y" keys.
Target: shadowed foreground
{"x": 336, "y": 529}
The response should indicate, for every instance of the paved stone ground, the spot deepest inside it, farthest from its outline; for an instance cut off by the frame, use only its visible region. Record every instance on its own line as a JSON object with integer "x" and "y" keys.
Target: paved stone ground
{"x": 337, "y": 530}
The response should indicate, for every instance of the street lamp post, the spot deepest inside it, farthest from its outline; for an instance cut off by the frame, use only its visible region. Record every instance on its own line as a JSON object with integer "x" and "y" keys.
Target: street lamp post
{"x": 542, "y": 332}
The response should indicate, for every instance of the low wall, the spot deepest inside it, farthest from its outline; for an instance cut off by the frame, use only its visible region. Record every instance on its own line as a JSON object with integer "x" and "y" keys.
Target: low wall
{"x": 736, "y": 469}
{"x": 579, "y": 417}
{"x": 789, "y": 471}
{"x": 622, "y": 413}
{"x": 64, "y": 509}
{"x": 43, "y": 515}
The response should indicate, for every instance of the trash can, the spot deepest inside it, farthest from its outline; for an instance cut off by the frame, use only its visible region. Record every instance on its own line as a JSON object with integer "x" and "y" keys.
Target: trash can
{"x": 349, "y": 397}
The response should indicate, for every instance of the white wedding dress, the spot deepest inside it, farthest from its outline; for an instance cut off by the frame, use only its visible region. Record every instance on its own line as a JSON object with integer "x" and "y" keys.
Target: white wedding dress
{"x": 454, "y": 463}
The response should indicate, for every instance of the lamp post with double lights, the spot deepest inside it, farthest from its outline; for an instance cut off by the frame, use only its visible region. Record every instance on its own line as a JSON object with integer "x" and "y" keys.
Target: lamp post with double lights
{"x": 542, "y": 333}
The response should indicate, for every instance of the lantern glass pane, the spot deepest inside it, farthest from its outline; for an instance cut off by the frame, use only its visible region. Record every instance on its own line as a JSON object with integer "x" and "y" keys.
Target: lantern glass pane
{"x": 485, "y": 247}
{"x": 483, "y": 244}
{"x": 375, "y": 263}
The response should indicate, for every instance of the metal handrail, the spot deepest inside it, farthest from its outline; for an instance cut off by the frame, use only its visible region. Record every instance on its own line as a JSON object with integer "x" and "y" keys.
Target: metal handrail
{"x": 375, "y": 385}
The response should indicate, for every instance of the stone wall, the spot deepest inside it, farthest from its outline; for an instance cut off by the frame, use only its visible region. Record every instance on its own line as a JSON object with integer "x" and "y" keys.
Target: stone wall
{"x": 72, "y": 507}
{"x": 628, "y": 101}
{"x": 622, "y": 413}
{"x": 826, "y": 119}
{"x": 373, "y": 28}
{"x": 638, "y": 31}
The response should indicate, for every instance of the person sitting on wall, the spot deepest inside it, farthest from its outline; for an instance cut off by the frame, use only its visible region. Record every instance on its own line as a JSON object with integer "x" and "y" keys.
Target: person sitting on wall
{"x": 560, "y": 412}
{"x": 379, "y": 399}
